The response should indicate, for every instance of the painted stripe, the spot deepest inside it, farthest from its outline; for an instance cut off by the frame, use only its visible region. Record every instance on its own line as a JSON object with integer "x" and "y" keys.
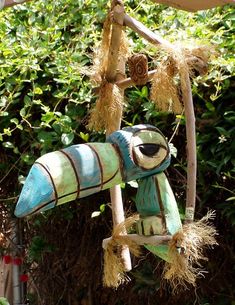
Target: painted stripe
{"x": 161, "y": 205}
{"x": 87, "y": 168}
{"x": 61, "y": 197}
{"x": 109, "y": 163}
{"x": 74, "y": 169}
{"x": 52, "y": 182}
{"x": 62, "y": 174}
{"x": 100, "y": 165}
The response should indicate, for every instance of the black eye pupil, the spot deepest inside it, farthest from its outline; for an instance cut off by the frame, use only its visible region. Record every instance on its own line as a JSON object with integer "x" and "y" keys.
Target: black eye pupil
{"x": 149, "y": 150}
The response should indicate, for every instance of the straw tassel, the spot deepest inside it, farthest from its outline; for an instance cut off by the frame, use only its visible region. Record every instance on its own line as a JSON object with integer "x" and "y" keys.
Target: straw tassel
{"x": 114, "y": 270}
{"x": 108, "y": 108}
{"x": 186, "y": 251}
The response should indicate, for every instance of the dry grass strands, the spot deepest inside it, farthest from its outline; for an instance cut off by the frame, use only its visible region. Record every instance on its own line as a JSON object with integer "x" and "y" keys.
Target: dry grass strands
{"x": 100, "y": 58}
{"x": 124, "y": 48}
{"x": 197, "y": 59}
{"x": 114, "y": 270}
{"x": 108, "y": 108}
{"x": 164, "y": 91}
{"x": 186, "y": 252}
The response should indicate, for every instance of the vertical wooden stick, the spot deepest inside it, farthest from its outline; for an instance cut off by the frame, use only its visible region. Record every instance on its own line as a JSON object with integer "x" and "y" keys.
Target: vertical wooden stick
{"x": 115, "y": 70}
{"x": 191, "y": 147}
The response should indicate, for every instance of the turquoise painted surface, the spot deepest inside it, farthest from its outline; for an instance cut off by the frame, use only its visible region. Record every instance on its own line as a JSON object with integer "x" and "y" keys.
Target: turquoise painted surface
{"x": 37, "y": 192}
{"x": 82, "y": 170}
{"x": 87, "y": 168}
{"x": 147, "y": 198}
{"x": 140, "y": 152}
{"x": 129, "y": 140}
{"x": 171, "y": 212}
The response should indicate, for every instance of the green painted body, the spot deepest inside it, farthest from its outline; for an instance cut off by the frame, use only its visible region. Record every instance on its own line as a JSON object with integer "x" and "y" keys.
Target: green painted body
{"x": 135, "y": 153}
{"x": 155, "y": 198}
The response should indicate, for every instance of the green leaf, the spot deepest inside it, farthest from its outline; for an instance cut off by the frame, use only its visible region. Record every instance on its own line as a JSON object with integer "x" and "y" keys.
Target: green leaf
{"x": 21, "y": 179}
{"x": 48, "y": 117}
{"x": 173, "y": 150}
{"x": 144, "y": 92}
{"x": 8, "y": 145}
{"x": 84, "y": 136}
{"x": 67, "y": 138}
{"x": 4, "y": 113}
{"x": 4, "y": 301}
{"x": 210, "y": 106}
{"x": 133, "y": 184}
{"x": 7, "y": 131}
{"x": 95, "y": 214}
{"x": 230, "y": 198}
{"x": 102, "y": 207}
{"x": 15, "y": 121}
{"x": 38, "y": 90}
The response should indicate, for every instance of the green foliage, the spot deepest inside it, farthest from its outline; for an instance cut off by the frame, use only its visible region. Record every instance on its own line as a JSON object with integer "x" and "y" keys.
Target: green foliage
{"x": 45, "y": 99}
{"x": 3, "y": 301}
{"x": 38, "y": 248}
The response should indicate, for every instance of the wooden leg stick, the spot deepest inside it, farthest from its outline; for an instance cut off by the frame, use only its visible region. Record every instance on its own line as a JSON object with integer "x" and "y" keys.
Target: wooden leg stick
{"x": 116, "y": 64}
{"x": 191, "y": 147}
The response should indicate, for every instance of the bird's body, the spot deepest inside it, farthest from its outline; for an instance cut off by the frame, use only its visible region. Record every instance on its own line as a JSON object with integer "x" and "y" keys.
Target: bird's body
{"x": 135, "y": 153}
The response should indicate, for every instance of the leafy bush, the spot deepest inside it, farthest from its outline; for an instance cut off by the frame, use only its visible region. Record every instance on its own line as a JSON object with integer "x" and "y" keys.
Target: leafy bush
{"x": 45, "y": 101}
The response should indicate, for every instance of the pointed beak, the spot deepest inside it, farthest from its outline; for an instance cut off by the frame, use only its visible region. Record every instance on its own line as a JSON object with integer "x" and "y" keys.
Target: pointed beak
{"x": 37, "y": 194}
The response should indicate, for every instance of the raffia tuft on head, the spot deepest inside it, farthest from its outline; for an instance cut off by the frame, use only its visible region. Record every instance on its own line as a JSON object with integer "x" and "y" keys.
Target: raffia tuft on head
{"x": 186, "y": 252}
{"x": 108, "y": 108}
{"x": 114, "y": 269}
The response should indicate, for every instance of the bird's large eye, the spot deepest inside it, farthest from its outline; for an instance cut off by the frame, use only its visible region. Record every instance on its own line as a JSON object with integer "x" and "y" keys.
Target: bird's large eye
{"x": 149, "y": 148}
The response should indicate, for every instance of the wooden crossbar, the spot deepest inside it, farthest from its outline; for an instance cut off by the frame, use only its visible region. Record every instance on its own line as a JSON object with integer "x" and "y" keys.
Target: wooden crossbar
{"x": 142, "y": 240}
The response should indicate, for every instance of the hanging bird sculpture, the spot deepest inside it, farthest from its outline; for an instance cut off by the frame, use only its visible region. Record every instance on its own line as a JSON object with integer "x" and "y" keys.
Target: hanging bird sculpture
{"x": 137, "y": 153}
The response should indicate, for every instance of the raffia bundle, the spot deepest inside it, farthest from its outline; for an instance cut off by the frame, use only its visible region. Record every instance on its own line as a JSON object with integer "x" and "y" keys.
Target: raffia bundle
{"x": 186, "y": 252}
{"x": 109, "y": 105}
{"x": 108, "y": 108}
{"x": 114, "y": 270}
{"x": 168, "y": 81}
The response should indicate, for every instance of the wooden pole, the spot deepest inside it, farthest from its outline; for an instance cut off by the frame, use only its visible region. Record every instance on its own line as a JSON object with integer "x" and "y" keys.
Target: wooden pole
{"x": 115, "y": 71}
{"x": 191, "y": 147}
{"x": 124, "y": 83}
{"x": 143, "y": 31}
